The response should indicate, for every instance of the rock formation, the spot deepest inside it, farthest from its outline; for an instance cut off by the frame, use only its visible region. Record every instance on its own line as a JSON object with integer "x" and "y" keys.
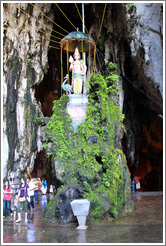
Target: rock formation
{"x": 24, "y": 64}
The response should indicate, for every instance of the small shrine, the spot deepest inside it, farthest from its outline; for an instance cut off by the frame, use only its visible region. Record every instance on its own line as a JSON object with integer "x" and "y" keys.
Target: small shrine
{"x": 77, "y": 43}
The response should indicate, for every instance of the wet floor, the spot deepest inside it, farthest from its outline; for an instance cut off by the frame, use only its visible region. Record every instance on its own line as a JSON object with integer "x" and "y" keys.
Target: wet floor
{"x": 144, "y": 225}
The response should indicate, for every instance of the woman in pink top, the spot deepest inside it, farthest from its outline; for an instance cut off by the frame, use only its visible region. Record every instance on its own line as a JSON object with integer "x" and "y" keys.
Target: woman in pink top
{"x": 7, "y": 191}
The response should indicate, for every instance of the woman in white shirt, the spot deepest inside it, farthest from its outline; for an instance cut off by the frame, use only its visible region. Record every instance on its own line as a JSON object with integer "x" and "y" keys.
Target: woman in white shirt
{"x": 31, "y": 194}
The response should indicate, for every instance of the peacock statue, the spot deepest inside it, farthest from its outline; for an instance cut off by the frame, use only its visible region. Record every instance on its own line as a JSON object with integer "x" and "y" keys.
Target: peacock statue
{"x": 66, "y": 87}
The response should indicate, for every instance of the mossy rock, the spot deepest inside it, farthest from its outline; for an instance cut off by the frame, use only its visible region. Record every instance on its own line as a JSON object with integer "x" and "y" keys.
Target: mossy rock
{"x": 99, "y": 167}
{"x": 59, "y": 208}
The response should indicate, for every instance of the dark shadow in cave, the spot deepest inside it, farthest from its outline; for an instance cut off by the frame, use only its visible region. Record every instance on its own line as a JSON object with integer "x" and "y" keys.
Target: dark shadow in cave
{"x": 43, "y": 169}
{"x": 50, "y": 88}
{"x": 143, "y": 142}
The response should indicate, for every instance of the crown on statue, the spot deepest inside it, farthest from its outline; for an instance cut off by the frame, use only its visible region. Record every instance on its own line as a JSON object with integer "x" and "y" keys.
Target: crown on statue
{"x": 76, "y": 52}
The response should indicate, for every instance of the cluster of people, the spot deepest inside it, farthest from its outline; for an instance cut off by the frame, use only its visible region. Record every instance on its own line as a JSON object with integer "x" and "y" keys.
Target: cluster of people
{"x": 136, "y": 183}
{"x": 24, "y": 198}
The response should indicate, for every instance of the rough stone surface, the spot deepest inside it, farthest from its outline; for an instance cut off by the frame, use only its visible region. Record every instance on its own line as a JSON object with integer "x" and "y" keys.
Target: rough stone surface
{"x": 149, "y": 34}
{"x": 65, "y": 198}
{"x": 24, "y": 64}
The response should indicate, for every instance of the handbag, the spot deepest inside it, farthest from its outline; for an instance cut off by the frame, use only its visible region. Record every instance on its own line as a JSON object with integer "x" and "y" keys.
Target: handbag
{"x": 22, "y": 199}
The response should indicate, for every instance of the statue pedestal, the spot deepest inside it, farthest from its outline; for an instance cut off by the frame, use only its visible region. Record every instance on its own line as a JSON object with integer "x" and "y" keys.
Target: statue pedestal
{"x": 77, "y": 108}
{"x": 80, "y": 209}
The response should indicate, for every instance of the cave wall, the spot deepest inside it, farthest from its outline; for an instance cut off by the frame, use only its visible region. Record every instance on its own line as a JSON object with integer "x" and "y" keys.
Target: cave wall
{"x": 25, "y": 61}
{"x": 50, "y": 88}
{"x": 131, "y": 36}
{"x": 143, "y": 107}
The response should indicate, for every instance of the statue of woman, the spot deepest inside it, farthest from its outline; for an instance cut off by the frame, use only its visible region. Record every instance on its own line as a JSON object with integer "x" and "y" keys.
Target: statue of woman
{"x": 78, "y": 69}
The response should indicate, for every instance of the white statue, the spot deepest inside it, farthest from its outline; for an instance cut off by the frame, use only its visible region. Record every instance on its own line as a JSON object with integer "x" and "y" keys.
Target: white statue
{"x": 78, "y": 69}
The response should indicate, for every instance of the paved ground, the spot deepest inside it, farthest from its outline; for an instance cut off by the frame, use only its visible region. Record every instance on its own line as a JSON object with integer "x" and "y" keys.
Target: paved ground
{"x": 144, "y": 225}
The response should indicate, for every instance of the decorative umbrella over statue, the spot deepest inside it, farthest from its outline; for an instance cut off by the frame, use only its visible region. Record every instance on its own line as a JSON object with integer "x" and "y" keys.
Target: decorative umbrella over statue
{"x": 77, "y": 42}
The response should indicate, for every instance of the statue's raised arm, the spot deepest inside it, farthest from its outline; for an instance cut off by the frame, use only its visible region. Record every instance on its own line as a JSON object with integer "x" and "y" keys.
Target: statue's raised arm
{"x": 78, "y": 69}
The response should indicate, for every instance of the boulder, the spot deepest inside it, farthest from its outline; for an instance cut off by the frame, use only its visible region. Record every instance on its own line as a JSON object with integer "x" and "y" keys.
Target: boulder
{"x": 65, "y": 198}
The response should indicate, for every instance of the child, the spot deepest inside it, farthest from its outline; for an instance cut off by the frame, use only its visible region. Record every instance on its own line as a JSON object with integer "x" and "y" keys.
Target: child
{"x": 51, "y": 189}
{"x": 15, "y": 206}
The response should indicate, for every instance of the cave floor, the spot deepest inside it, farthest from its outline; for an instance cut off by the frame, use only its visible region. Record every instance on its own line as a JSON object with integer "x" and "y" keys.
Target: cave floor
{"x": 143, "y": 225}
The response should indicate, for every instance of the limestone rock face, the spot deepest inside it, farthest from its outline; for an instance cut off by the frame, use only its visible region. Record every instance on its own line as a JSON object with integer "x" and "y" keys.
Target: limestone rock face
{"x": 132, "y": 35}
{"x": 146, "y": 73}
{"x": 147, "y": 47}
{"x": 149, "y": 36}
{"x": 24, "y": 63}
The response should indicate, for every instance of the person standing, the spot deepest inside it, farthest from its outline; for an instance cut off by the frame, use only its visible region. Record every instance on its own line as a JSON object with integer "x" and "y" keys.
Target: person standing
{"x": 136, "y": 179}
{"x": 44, "y": 186}
{"x": 7, "y": 191}
{"x": 133, "y": 186}
{"x": 36, "y": 189}
{"x": 51, "y": 189}
{"x": 22, "y": 200}
{"x": 31, "y": 194}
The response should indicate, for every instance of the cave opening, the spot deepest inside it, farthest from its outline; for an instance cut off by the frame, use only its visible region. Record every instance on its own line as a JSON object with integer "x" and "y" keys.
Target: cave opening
{"x": 43, "y": 169}
{"x": 50, "y": 88}
{"x": 143, "y": 141}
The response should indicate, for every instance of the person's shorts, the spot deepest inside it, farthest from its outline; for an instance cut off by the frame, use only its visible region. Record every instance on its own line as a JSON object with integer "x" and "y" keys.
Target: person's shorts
{"x": 22, "y": 204}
